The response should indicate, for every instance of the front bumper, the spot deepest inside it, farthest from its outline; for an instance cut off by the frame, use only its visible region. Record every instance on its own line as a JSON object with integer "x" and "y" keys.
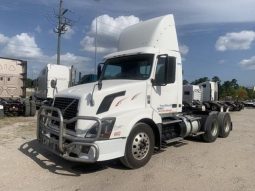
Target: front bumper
{"x": 62, "y": 143}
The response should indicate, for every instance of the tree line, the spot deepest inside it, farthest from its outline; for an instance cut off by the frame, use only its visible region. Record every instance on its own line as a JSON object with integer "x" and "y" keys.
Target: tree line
{"x": 228, "y": 89}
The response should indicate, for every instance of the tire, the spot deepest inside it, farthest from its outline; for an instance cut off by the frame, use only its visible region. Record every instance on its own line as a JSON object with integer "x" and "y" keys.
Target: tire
{"x": 26, "y": 108}
{"x": 225, "y": 125}
{"x": 211, "y": 128}
{"x": 32, "y": 108}
{"x": 135, "y": 156}
{"x": 1, "y": 111}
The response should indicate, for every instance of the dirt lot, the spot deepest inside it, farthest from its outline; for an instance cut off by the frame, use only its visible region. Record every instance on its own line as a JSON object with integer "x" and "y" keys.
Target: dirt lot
{"x": 228, "y": 164}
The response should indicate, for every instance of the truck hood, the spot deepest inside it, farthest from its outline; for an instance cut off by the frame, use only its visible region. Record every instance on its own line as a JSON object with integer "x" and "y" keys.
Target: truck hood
{"x": 107, "y": 85}
{"x": 115, "y": 96}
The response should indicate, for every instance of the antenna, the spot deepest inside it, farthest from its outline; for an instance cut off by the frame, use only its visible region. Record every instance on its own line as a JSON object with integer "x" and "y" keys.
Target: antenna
{"x": 96, "y": 48}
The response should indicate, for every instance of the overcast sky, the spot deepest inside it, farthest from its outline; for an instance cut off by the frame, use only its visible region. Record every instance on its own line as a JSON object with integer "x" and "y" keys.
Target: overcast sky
{"x": 216, "y": 37}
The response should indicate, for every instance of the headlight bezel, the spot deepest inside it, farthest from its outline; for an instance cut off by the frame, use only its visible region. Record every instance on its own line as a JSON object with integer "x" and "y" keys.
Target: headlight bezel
{"x": 107, "y": 125}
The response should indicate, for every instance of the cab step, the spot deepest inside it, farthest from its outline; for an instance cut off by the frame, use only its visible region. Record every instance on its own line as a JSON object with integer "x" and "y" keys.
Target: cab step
{"x": 167, "y": 122}
{"x": 198, "y": 134}
{"x": 177, "y": 139}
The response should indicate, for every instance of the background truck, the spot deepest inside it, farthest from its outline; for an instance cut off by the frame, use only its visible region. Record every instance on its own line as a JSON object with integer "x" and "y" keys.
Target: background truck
{"x": 63, "y": 76}
{"x": 192, "y": 93}
{"x": 13, "y": 74}
{"x": 207, "y": 94}
{"x": 134, "y": 108}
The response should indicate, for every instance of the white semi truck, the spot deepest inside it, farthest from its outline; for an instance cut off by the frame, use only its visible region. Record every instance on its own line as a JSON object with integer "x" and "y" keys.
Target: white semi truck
{"x": 203, "y": 92}
{"x": 192, "y": 93}
{"x": 210, "y": 91}
{"x": 63, "y": 76}
{"x": 134, "y": 108}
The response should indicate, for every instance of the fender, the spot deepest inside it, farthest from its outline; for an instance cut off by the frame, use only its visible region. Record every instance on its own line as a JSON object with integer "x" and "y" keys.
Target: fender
{"x": 126, "y": 120}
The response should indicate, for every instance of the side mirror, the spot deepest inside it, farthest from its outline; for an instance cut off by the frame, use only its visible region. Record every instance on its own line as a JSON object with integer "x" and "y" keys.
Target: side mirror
{"x": 161, "y": 71}
{"x": 153, "y": 82}
{"x": 53, "y": 83}
{"x": 99, "y": 70}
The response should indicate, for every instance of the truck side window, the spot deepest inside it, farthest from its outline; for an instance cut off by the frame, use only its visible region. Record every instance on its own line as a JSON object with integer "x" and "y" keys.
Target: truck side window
{"x": 161, "y": 67}
{"x": 160, "y": 70}
{"x": 171, "y": 70}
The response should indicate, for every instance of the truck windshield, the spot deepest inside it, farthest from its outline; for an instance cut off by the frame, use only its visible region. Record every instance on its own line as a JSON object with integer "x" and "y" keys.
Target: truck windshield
{"x": 135, "y": 67}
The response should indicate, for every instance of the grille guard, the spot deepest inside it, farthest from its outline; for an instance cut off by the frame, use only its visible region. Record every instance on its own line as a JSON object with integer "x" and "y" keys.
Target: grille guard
{"x": 45, "y": 117}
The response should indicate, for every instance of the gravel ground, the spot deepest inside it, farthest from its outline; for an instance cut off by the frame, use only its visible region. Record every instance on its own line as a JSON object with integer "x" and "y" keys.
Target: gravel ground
{"x": 226, "y": 165}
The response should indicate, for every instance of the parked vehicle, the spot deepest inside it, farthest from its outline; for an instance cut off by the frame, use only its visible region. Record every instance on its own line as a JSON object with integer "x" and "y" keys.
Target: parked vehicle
{"x": 135, "y": 107}
{"x": 206, "y": 94}
{"x": 13, "y": 74}
{"x": 209, "y": 90}
{"x": 63, "y": 76}
{"x": 192, "y": 93}
{"x": 249, "y": 103}
{"x": 202, "y": 95}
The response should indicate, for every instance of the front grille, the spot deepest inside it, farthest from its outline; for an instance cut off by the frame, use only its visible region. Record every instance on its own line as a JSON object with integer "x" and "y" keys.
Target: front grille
{"x": 69, "y": 109}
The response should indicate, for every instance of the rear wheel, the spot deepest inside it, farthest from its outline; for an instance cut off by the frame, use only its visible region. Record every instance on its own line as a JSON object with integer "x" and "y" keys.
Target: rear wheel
{"x": 224, "y": 124}
{"x": 211, "y": 128}
{"x": 139, "y": 147}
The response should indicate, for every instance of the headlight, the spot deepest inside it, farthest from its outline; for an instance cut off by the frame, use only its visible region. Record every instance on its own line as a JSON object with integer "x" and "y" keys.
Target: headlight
{"x": 106, "y": 129}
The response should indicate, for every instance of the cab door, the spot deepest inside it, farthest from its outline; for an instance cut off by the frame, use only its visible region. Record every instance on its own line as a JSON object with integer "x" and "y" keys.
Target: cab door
{"x": 164, "y": 91}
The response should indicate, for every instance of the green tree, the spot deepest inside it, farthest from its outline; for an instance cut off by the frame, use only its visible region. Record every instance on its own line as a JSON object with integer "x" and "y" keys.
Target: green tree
{"x": 29, "y": 83}
{"x": 241, "y": 93}
{"x": 200, "y": 80}
{"x": 229, "y": 89}
{"x": 234, "y": 83}
{"x": 250, "y": 93}
{"x": 185, "y": 82}
{"x": 216, "y": 79}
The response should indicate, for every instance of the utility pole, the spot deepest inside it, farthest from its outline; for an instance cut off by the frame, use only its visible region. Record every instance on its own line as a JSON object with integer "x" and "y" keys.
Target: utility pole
{"x": 63, "y": 24}
{"x": 59, "y": 32}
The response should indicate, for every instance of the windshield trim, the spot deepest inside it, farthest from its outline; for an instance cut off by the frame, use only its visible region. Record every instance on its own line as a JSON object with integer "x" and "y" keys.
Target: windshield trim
{"x": 124, "y": 56}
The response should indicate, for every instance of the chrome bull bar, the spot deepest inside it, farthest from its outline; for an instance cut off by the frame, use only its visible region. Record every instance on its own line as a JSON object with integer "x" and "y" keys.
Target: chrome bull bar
{"x": 43, "y": 124}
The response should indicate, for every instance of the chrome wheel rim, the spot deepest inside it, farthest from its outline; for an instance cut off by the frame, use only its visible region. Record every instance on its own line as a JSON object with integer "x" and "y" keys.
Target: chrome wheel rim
{"x": 214, "y": 130}
{"x": 227, "y": 126}
{"x": 140, "y": 146}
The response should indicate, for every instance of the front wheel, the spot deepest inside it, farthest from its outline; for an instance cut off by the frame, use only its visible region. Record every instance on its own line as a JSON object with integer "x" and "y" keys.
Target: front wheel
{"x": 139, "y": 147}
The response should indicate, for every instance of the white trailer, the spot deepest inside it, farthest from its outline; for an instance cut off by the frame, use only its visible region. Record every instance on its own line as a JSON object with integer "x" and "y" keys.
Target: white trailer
{"x": 64, "y": 76}
{"x": 13, "y": 75}
{"x": 135, "y": 107}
